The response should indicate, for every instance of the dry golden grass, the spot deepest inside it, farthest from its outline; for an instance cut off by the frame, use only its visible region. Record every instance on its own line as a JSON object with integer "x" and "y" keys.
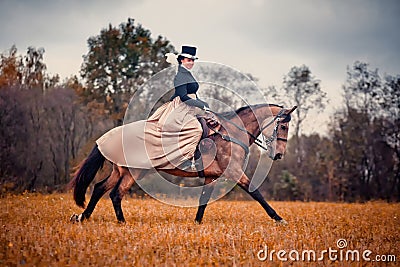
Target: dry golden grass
{"x": 35, "y": 231}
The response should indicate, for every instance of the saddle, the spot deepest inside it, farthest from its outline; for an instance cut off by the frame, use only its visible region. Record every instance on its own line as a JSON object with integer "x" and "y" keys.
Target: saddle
{"x": 210, "y": 125}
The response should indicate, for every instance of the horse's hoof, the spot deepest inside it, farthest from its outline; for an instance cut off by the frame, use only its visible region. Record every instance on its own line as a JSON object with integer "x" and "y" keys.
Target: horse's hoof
{"x": 197, "y": 222}
{"x": 75, "y": 218}
{"x": 281, "y": 222}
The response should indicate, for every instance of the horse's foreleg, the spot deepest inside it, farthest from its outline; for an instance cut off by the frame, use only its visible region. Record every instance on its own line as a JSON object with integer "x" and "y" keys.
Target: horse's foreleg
{"x": 204, "y": 198}
{"x": 244, "y": 183}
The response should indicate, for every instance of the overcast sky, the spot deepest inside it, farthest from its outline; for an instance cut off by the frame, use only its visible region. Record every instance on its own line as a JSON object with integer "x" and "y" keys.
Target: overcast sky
{"x": 263, "y": 38}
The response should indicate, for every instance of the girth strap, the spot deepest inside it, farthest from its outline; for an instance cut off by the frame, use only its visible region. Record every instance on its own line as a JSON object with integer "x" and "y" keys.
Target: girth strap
{"x": 224, "y": 136}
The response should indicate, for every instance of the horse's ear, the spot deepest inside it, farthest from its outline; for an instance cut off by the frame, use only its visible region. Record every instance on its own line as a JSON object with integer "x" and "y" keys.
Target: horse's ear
{"x": 290, "y": 111}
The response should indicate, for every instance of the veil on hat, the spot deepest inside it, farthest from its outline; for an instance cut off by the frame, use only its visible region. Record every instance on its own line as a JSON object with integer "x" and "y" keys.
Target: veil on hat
{"x": 171, "y": 58}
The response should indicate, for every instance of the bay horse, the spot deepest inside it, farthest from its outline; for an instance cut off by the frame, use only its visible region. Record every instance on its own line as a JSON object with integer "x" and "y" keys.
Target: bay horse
{"x": 239, "y": 130}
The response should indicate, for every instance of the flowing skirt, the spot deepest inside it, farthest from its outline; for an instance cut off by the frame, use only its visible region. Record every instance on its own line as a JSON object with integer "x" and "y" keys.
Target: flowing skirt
{"x": 163, "y": 141}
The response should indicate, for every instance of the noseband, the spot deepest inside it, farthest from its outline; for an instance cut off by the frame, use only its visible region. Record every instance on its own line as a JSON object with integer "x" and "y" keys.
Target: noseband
{"x": 267, "y": 142}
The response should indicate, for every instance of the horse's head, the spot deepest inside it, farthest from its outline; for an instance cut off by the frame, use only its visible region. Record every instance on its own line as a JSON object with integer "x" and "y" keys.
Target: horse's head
{"x": 255, "y": 120}
{"x": 280, "y": 133}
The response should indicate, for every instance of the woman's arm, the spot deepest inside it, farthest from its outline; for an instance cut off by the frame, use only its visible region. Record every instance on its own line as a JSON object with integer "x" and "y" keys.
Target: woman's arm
{"x": 181, "y": 91}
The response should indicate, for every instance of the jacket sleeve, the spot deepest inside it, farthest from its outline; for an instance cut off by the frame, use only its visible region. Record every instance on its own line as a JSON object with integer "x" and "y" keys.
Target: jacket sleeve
{"x": 181, "y": 91}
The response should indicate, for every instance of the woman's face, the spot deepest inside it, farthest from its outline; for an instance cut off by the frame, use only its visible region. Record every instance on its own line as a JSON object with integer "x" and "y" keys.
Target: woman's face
{"x": 188, "y": 63}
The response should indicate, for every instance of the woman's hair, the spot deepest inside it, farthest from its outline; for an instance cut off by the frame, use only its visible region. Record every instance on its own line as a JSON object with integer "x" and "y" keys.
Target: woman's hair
{"x": 180, "y": 58}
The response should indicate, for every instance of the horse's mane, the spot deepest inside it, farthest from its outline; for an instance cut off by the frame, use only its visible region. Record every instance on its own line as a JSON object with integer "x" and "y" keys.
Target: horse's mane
{"x": 231, "y": 114}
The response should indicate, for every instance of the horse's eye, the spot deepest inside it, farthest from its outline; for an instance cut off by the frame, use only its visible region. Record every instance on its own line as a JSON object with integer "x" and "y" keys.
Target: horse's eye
{"x": 283, "y": 127}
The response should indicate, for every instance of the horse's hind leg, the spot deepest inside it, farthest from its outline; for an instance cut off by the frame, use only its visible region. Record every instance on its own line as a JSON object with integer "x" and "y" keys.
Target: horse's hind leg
{"x": 99, "y": 190}
{"x": 121, "y": 188}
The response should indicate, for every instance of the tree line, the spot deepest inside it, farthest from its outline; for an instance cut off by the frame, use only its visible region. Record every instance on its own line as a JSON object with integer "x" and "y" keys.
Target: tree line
{"x": 359, "y": 158}
{"x": 48, "y": 125}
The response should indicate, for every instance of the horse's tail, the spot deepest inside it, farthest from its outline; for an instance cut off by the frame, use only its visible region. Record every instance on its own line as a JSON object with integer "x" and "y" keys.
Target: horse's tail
{"x": 85, "y": 175}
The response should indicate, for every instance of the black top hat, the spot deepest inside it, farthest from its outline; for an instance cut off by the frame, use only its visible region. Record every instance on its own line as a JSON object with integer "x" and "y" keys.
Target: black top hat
{"x": 189, "y": 52}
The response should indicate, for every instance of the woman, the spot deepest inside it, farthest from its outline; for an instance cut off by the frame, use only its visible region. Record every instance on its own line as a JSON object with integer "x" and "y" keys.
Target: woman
{"x": 170, "y": 136}
{"x": 185, "y": 84}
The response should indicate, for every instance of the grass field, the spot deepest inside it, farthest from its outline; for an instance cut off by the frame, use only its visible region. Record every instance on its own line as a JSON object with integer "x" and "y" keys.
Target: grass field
{"x": 35, "y": 231}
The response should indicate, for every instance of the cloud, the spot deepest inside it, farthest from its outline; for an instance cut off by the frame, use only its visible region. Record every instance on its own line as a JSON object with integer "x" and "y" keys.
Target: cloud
{"x": 262, "y": 37}
{"x": 326, "y": 32}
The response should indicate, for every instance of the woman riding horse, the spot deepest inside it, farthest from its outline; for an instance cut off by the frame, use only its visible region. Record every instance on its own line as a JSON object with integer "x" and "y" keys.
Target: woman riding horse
{"x": 170, "y": 137}
{"x": 167, "y": 138}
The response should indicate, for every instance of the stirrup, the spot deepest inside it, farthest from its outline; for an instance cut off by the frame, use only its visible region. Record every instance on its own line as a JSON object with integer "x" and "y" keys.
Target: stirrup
{"x": 189, "y": 165}
{"x": 193, "y": 165}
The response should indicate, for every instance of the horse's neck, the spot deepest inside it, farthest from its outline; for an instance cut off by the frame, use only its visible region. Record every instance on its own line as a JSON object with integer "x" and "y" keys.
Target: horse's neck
{"x": 252, "y": 119}
{"x": 265, "y": 112}
{"x": 258, "y": 115}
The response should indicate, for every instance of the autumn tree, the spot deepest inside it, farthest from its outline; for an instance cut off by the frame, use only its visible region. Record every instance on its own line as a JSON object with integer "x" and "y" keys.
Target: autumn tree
{"x": 358, "y": 131}
{"x": 361, "y": 93}
{"x": 13, "y": 118}
{"x": 301, "y": 89}
{"x": 390, "y": 104}
{"x": 26, "y": 72}
{"x": 363, "y": 159}
{"x": 44, "y": 124}
{"x": 362, "y": 89}
{"x": 287, "y": 188}
{"x": 10, "y": 68}
{"x": 119, "y": 60}
{"x": 34, "y": 68}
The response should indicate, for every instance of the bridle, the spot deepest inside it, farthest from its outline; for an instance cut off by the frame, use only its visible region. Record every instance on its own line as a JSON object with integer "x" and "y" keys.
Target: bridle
{"x": 266, "y": 143}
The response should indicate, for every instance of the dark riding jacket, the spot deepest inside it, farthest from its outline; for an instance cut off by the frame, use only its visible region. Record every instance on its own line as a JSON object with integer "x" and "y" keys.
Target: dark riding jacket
{"x": 185, "y": 84}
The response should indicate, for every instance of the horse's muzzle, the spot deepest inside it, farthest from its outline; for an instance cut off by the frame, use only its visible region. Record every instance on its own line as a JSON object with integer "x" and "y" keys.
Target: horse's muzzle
{"x": 278, "y": 156}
